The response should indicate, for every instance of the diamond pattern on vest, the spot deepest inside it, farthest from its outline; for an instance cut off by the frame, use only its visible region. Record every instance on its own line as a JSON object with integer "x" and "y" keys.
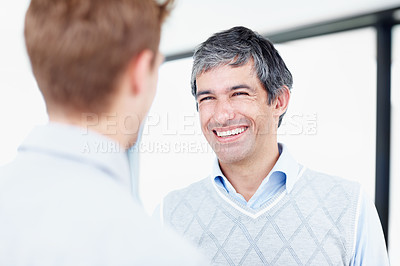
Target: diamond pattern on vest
{"x": 313, "y": 225}
{"x": 305, "y": 244}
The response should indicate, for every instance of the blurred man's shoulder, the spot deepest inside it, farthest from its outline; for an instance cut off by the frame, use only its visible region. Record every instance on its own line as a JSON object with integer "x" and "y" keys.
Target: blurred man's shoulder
{"x": 85, "y": 207}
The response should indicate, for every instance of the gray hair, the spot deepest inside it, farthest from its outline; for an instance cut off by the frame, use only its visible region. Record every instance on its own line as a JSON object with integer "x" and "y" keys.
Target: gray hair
{"x": 235, "y": 47}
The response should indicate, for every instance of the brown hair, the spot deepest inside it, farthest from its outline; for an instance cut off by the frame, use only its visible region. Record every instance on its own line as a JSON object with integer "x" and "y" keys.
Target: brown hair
{"x": 79, "y": 48}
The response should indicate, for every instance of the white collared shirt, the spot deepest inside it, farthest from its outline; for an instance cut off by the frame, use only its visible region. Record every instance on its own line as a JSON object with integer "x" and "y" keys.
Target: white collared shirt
{"x": 66, "y": 200}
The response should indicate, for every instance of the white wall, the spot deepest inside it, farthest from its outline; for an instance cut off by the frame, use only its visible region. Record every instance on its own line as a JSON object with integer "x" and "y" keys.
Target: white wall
{"x": 193, "y": 21}
{"x": 21, "y": 104}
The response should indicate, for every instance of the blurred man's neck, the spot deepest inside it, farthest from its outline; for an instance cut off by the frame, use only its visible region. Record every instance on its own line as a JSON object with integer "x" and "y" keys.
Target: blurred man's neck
{"x": 107, "y": 125}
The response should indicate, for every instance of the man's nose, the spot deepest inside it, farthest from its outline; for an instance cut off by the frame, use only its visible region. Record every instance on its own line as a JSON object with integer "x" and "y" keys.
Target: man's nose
{"x": 223, "y": 111}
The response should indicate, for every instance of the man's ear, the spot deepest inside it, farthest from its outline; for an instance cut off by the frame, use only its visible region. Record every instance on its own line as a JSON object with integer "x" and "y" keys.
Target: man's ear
{"x": 140, "y": 70}
{"x": 282, "y": 101}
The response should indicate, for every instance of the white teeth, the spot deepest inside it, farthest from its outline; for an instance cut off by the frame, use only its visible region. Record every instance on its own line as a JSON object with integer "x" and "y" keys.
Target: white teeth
{"x": 231, "y": 132}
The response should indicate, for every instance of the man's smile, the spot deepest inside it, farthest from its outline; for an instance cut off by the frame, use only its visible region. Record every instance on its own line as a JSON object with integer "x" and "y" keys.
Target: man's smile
{"x": 226, "y": 133}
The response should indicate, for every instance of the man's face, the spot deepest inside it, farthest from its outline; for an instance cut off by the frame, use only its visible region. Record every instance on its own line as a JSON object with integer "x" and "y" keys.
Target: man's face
{"x": 235, "y": 116}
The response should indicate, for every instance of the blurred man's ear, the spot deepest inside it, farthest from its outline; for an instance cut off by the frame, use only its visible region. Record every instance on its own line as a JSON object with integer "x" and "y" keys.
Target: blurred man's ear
{"x": 282, "y": 101}
{"x": 140, "y": 70}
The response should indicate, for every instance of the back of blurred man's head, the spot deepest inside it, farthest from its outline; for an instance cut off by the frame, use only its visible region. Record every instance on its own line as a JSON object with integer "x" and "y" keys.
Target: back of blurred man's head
{"x": 79, "y": 48}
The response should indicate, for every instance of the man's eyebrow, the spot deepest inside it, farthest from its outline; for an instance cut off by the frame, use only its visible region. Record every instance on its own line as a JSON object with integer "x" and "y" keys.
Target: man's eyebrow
{"x": 241, "y": 86}
{"x": 202, "y": 93}
{"x": 236, "y": 87}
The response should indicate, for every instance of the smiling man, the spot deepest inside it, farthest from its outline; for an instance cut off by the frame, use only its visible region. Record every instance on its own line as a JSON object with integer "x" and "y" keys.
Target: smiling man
{"x": 260, "y": 206}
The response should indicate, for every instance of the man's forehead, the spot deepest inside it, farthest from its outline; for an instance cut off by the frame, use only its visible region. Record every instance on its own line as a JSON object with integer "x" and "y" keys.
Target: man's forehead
{"x": 221, "y": 70}
{"x": 226, "y": 75}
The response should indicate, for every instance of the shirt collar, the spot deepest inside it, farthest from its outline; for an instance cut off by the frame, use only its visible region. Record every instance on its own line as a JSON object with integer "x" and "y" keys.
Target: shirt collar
{"x": 285, "y": 164}
{"x": 80, "y": 145}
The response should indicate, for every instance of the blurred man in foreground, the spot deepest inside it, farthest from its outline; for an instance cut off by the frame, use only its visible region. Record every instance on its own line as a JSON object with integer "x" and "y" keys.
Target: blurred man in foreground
{"x": 66, "y": 200}
{"x": 260, "y": 206}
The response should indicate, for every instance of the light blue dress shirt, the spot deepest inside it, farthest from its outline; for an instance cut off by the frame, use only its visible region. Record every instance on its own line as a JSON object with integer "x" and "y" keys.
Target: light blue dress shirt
{"x": 370, "y": 248}
{"x": 66, "y": 200}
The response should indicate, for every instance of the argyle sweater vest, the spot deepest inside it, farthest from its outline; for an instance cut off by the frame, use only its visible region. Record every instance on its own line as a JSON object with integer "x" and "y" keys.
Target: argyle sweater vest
{"x": 314, "y": 224}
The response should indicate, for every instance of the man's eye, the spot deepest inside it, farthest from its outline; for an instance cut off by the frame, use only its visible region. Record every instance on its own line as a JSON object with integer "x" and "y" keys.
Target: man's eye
{"x": 240, "y": 93}
{"x": 206, "y": 99}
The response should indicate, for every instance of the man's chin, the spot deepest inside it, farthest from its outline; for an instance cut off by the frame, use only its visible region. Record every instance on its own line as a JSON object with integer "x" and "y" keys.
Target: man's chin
{"x": 231, "y": 152}
{"x": 230, "y": 157}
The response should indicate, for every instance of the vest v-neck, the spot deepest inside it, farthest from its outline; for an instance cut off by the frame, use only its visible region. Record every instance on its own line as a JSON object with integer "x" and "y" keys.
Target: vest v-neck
{"x": 252, "y": 213}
